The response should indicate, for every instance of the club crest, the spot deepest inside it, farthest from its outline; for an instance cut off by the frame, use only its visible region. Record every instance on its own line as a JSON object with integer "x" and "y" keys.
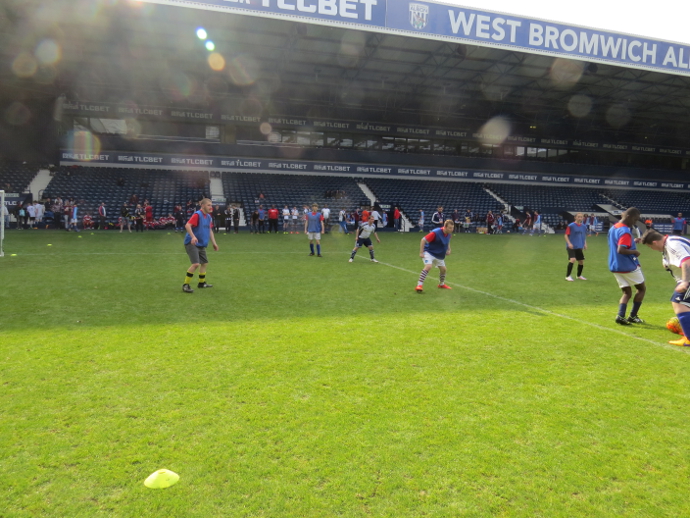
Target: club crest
{"x": 419, "y": 14}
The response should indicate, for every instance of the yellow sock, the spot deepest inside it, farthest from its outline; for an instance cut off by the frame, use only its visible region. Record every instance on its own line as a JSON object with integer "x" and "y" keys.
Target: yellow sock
{"x": 188, "y": 278}
{"x": 202, "y": 278}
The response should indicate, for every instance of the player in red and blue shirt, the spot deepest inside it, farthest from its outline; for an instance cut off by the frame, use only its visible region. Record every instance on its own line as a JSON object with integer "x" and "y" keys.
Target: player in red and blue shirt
{"x": 433, "y": 249}
{"x": 199, "y": 232}
{"x": 576, "y": 239}
{"x": 625, "y": 267}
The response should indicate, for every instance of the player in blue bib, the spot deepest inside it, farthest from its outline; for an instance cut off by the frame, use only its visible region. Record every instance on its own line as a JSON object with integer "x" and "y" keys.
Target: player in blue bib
{"x": 199, "y": 232}
{"x": 625, "y": 267}
{"x": 313, "y": 227}
{"x": 433, "y": 249}
{"x": 576, "y": 239}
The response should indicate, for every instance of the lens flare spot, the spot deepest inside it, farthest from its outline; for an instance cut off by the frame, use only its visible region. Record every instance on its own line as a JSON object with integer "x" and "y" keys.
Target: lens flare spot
{"x": 48, "y": 52}
{"x": 24, "y": 65}
{"x": 265, "y": 128}
{"x": 495, "y": 131}
{"x": 565, "y": 73}
{"x": 17, "y": 114}
{"x": 618, "y": 115}
{"x": 579, "y": 106}
{"x": 210, "y": 46}
{"x": 216, "y": 61}
{"x": 201, "y": 33}
{"x": 181, "y": 85}
{"x": 84, "y": 143}
{"x": 243, "y": 70}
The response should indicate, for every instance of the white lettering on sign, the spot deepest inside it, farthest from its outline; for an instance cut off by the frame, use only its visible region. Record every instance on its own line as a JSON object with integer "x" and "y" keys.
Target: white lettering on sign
{"x": 353, "y": 9}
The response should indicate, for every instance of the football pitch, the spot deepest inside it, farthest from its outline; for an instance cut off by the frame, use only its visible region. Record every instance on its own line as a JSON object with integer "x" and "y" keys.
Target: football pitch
{"x": 311, "y": 387}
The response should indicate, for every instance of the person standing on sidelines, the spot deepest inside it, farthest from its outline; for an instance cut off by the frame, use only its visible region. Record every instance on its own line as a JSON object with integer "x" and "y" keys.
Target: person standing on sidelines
{"x": 362, "y": 239}
{"x": 678, "y": 224}
{"x": 675, "y": 252}
{"x": 420, "y": 221}
{"x": 125, "y": 218}
{"x": 576, "y": 239}
{"x": 326, "y": 212}
{"x": 199, "y": 232}
{"x": 313, "y": 227}
{"x": 294, "y": 213}
{"x": 438, "y": 217}
{"x": 625, "y": 266}
{"x": 101, "y": 216}
{"x": 536, "y": 224}
{"x": 273, "y": 216}
{"x": 433, "y": 249}
{"x": 286, "y": 219}
{"x": 342, "y": 220}
{"x": 468, "y": 221}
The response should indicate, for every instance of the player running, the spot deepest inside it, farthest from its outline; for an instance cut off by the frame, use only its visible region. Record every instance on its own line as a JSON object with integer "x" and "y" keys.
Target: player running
{"x": 362, "y": 239}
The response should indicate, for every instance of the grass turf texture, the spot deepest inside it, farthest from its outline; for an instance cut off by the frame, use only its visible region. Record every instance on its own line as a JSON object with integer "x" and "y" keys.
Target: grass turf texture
{"x": 308, "y": 387}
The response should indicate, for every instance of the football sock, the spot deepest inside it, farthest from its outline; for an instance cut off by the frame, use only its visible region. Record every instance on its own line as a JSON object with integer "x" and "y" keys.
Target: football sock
{"x": 318, "y": 249}
{"x": 202, "y": 278}
{"x": 635, "y": 309}
{"x": 622, "y": 308}
{"x": 422, "y": 276}
{"x": 353, "y": 254}
{"x": 441, "y": 279}
{"x": 684, "y": 319}
{"x": 570, "y": 269}
{"x": 311, "y": 247}
{"x": 371, "y": 254}
{"x": 579, "y": 269}
{"x": 188, "y": 278}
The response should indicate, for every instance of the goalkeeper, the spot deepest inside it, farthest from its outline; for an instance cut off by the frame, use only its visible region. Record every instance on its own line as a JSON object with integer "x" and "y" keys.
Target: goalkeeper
{"x": 675, "y": 252}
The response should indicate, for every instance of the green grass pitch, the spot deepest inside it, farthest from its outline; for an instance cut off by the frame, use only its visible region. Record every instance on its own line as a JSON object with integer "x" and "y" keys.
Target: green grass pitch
{"x": 311, "y": 387}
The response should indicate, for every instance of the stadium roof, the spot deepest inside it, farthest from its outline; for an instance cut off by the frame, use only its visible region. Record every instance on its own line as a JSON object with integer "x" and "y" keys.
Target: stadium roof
{"x": 146, "y": 53}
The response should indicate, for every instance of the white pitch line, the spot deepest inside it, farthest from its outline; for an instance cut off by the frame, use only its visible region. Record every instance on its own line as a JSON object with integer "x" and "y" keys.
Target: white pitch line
{"x": 685, "y": 350}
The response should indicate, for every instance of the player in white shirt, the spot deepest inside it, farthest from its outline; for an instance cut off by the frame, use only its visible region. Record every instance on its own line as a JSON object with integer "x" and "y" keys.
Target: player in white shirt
{"x": 362, "y": 239}
{"x": 286, "y": 219}
{"x": 675, "y": 251}
{"x": 326, "y": 218}
{"x": 295, "y": 216}
{"x": 40, "y": 210}
{"x": 342, "y": 219}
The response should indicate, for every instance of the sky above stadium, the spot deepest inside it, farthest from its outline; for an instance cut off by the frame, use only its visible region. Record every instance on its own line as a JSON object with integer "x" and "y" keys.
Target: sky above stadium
{"x": 661, "y": 19}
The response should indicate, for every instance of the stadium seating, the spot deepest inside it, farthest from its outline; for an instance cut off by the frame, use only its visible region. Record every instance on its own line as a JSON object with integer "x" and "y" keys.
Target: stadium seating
{"x": 411, "y": 196}
{"x": 92, "y": 185}
{"x": 654, "y": 202}
{"x": 291, "y": 190}
{"x": 17, "y": 174}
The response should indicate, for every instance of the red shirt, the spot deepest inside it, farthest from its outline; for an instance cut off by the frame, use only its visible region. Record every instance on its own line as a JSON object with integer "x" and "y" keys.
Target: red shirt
{"x": 272, "y": 213}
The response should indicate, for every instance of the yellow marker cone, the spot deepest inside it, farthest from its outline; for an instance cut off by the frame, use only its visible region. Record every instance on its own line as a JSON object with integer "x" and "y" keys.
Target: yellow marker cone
{"x": 161, "y": 479}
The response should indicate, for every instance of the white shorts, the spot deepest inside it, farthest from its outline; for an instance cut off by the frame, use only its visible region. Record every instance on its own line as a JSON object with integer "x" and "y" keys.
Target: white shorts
{"x": 625, "y": 280}
{"x": 433, "y": 261}
{"x": 314, "y": 235}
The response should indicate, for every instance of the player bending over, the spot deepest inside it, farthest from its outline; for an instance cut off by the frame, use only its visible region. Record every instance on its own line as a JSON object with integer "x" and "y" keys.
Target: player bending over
{"x": 362, "y": 239}
{"x": 675, "y": 252}
{"x": 433, "y": 249}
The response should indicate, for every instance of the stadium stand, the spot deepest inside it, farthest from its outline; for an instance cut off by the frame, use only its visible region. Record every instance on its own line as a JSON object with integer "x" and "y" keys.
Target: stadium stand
{"x": 411, "y": 196}
{"x": 652, "y": 201}
{"x": 16, "y": 176}
{"x": 92, "y": 185}
{"x": 291, "y": 190}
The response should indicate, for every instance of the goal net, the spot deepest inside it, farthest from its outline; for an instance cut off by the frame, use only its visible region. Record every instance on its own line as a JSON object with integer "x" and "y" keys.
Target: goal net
{"x": 2, "y": 223}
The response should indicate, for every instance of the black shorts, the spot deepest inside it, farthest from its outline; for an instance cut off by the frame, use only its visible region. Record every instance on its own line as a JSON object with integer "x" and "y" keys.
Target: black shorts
{"x": 363, "y": 242}
{"x": 681, "y": 298}
{"x": 576, "y": 253}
